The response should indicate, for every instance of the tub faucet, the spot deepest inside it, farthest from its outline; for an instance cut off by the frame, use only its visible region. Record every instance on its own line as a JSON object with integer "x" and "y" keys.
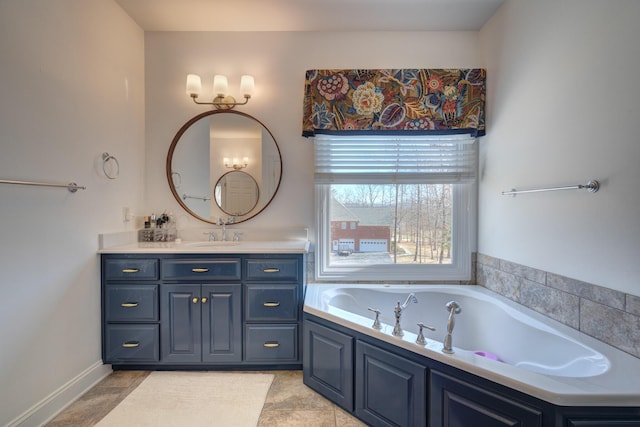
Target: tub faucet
{"x": 453, "y": 308}
{"x": 397, "y": 329}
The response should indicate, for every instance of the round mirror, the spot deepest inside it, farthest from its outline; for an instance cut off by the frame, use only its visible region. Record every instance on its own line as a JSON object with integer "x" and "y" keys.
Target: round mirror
{"x": 236, "y": 193}
{"x": 224, "y": 163}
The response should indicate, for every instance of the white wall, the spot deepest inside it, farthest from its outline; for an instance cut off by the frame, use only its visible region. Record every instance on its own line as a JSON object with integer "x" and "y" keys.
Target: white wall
{"x": 278, "y": 60}
{"x": 71, "y": 87}
{"x": 563, "y": 108}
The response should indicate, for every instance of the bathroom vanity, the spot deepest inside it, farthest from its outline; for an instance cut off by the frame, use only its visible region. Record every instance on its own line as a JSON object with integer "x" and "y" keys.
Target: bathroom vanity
{"x": 200, "y": 306}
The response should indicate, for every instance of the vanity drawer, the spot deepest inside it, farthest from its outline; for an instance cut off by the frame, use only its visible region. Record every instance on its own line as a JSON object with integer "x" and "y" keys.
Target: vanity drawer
{"x": 202, "y": 269}
{"x": 131, "y": 269}
{"x": 273, "y": 269}
{"x": 127, "y": 343}
{"x": 271, "y": 303}
{"x": 131, "y": 303}
{"x": 275, "y": 343}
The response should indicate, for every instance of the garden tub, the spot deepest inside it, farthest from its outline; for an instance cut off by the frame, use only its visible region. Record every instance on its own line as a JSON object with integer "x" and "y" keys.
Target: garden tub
{"x": 493, "y": 337}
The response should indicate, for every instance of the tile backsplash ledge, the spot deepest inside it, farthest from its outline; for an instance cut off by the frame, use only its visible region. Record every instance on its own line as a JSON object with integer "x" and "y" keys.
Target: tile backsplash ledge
{"x": 608, "y": 315}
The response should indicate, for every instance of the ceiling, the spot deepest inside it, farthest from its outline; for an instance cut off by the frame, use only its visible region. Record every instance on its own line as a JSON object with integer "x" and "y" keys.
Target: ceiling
{"x": 310, "y": 15}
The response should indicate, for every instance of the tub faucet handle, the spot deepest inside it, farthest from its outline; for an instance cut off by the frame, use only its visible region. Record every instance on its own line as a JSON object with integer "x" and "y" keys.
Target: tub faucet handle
{"x": 421, "y": 340}
{"x": 376, "y": 323}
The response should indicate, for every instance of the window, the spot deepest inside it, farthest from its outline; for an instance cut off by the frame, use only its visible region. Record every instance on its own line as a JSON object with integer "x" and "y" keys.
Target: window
{"x": 414, "y": 201}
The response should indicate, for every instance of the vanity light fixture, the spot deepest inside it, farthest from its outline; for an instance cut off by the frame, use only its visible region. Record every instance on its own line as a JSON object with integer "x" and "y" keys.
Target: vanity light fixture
{"x": 220, "y": 86}
{"x": 236, "y": 163}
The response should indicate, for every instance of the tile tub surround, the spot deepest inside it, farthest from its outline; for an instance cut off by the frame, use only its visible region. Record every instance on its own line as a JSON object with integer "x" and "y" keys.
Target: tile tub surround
{"x": 605, "y": 314}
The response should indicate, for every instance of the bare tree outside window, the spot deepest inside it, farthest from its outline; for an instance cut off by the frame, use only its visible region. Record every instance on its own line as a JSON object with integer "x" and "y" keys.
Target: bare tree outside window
{"x": 395, "y": 223}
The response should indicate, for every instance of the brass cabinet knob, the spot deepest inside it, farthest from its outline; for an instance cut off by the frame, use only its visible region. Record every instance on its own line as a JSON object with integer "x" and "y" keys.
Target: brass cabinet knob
{"x": 195, "y": 300}
{"x": 204, "y": 300}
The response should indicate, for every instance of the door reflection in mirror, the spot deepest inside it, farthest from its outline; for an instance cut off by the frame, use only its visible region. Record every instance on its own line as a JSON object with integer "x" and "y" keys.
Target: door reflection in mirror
{"x": 236, "y": 193}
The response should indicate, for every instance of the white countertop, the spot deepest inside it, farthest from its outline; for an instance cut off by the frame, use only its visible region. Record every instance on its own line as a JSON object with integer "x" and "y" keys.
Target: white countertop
{"x": 292, "y": 240}
{"x": 190, "y": 247}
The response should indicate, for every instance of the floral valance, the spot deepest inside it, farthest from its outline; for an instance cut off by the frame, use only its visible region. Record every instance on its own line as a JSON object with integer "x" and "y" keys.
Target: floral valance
{"x": 401, "y": 100}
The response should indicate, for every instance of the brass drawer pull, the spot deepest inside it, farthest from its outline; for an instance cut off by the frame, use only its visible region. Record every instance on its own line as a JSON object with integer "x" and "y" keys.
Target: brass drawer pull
{"x": 200, "y": 270}
{"x": 129, "y": 304}
{"x": 131, "y": 344}
{"x": 271, "y": 344}
{"x": 131, "y": 270}
{"x": 271, "y": 304}
{"x": 271, "y": 270}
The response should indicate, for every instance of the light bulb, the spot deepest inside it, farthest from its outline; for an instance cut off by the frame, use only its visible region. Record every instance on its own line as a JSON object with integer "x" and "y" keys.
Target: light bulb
{"x": 194, "y": 85}
{"x": 220, "y": 85}
{"x": 247, "y": 85}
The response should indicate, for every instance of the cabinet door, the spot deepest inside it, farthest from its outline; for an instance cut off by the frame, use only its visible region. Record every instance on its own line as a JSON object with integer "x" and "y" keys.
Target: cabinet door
{"x": 131, "y": 303}
{"x": 128, "y": 269}
{"x": 131, "y": 343}
{"x": 271, "y": 303}
{"x": 278, "y": 269}
{"x": 328, "y": 363}
{"x": 180, "y": 327}
{"x": 221, "y": 323}
{"x": 271, "y": 343}
{"x": 390, "y": 390}
{"x": 455, "y": 403}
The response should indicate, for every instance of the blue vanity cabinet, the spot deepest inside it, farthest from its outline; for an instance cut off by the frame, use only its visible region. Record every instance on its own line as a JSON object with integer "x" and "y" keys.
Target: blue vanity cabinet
{"x": 201, "y": 318}
{"x": 273, "y": 295}
{"x": 390, "y": 390}
{"x": 202, "y": 311}
{"x": 201, "y": 323}
{"x": 130, "y": 317}
{"x": 328, "y": 363}
{"x": 456, "y": 403}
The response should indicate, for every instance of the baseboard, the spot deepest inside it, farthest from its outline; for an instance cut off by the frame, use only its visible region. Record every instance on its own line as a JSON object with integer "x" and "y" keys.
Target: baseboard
{"x": 56, "y": 402}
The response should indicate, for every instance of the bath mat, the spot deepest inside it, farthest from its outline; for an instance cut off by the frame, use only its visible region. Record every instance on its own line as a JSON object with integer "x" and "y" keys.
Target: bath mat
{"x": 178, "y": 399}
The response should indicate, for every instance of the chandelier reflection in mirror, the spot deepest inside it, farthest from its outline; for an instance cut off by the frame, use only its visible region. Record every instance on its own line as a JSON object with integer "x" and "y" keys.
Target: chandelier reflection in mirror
{"x": 220, "y": 87}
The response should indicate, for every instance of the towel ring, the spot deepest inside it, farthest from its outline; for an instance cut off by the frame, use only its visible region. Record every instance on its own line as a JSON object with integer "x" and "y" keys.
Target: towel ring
{"x": 106, "y": 157}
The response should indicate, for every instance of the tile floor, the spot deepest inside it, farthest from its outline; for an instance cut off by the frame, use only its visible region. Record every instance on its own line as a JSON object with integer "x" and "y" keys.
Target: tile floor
{"x": 289, "y": 403}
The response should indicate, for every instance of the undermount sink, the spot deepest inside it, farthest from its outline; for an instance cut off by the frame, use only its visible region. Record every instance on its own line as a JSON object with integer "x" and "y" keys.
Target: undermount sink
{"x": 212, "y": 244}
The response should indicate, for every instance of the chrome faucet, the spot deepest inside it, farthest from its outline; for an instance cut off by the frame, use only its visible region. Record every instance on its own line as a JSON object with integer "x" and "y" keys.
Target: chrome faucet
{"x": 223, "y": 224}
{"x": 453, "y": 308}
{"x": 397, "y": 329}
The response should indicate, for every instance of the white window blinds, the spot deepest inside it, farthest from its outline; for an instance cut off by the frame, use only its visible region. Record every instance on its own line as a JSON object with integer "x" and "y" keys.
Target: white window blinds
{"x": 395, "y": 159}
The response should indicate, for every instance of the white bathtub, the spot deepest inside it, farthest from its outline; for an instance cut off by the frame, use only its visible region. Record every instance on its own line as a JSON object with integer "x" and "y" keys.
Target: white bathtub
{"x": 537, "y": 355}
